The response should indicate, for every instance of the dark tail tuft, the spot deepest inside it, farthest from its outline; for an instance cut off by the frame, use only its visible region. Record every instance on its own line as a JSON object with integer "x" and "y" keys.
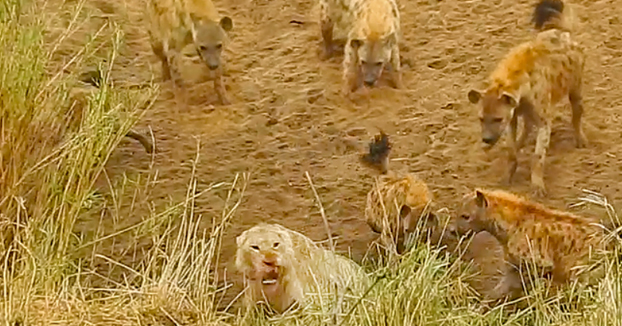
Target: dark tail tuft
{"x": 546, "y": 11}
{"x": 379, "y": 149}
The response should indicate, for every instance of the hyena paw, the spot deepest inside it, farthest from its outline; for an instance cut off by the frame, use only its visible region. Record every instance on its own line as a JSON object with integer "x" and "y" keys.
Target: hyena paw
{"x": 539, "y": 191}
{"x": 326, "y": 53}
{"x": 581, "y": 141}
{"x": 224, "y": 100}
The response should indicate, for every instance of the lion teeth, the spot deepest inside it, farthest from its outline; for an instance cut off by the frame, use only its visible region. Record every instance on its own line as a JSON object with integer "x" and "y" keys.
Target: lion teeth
{"x": 269, "y": 282}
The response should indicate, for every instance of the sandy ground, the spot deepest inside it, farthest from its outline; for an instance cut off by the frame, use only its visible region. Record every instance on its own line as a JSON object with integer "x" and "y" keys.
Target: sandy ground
{"x": 288, "y": 118}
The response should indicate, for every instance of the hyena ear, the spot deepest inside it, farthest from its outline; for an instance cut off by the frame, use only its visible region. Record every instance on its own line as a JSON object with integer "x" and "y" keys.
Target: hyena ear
{"x": 405, "y": 211}
{"x": 405, "y": 218}
{"x": 509, "y": 100}
{"x": 356, "y": 44}
{"x": 480, "y": 199}
{"x": 226, "y": 23}
{"x": 194, "y": 17}
{"x": 432, "y": 218}
{"x": 474, "y": 96}
{"x": 391, "y": 39}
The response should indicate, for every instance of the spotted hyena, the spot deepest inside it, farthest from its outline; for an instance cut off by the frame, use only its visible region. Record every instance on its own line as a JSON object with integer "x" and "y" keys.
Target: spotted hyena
{"x": 527, "y": 83}
{"x": 557, "y": 243}
{"x": 282, "y": 267}
{"x": 373, "y": 32}
{"x": 178, "y": 23}
{"x": 397, "y": 202}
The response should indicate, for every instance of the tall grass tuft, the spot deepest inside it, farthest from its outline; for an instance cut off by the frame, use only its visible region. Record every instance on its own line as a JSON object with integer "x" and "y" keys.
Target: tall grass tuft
{"x": 51, "y": 153}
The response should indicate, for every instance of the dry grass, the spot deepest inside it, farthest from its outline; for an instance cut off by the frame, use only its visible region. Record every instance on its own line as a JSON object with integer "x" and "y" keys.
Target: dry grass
{"x": 51, "y": 157}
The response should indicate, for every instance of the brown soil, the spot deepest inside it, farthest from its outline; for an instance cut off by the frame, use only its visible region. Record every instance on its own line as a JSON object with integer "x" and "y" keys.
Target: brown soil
{"x": 288, "y": 118}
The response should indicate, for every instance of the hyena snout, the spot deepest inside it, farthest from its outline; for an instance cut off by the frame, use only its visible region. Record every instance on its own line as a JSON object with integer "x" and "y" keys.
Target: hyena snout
{"x": 213, "y": 63}
{"x": 490, "y": 137}
{"x": 211, "y": 57}
{"x": 372, "y": 72}
{"x": 490, "y": 140}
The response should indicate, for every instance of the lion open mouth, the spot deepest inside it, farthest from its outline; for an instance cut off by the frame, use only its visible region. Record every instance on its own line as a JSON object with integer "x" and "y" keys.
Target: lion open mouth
{"x": 270, "y": 278}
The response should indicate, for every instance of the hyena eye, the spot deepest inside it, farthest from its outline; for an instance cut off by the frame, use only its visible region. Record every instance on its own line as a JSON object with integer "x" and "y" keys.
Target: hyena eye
{"x": 255, "y": 247}
{"x": 276, "y": 245}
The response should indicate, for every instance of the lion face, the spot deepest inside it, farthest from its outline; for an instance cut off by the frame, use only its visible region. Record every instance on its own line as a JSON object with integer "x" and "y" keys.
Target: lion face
{"x": 263, "y": 255}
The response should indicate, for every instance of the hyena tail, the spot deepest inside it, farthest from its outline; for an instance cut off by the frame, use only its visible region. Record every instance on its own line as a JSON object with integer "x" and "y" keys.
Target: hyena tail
{"x": 553, "y": 14}
{"x": 378, "y": 155}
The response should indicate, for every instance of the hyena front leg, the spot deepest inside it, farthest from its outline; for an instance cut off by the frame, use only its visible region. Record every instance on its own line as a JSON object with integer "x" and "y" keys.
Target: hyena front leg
{"x": 326, "y": 27}
{"x": 509, "y": 287}
{"x": 576, "y": 101}
{"x": 512, "y": 151}
{"x": 158, "y": 50}
{"x": 526, "y": 109}
{"x": 396, "y": 68}
{"x": 537, "y": 170}
{"x": 351, "y": 72}
{"x": 220, "y": 88}
{"x": 172, "y": 61}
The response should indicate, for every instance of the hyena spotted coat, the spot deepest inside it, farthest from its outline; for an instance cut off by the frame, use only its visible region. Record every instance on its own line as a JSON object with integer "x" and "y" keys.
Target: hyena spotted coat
{"x": 527, "y": 83}
{"x": 373, "y": 32}
{"x": 177, "y": 23}
{"x": 557, "y": 243}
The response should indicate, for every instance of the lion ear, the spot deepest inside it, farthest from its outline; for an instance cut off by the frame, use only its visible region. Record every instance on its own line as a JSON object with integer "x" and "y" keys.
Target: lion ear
{"x": 355, "y": 44}
{"x": 241, "y": 238}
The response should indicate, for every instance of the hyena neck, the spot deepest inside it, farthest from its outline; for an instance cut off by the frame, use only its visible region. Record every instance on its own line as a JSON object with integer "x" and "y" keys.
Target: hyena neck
{"x": 498, "y": 228}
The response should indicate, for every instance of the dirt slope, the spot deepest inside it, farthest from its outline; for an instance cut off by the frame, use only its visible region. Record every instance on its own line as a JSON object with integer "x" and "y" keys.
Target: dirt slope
{"x": 288, "y": 118}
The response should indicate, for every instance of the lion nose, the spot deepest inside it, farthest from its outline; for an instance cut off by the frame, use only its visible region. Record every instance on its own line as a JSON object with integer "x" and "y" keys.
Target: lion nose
{"x": 270, "y": 262}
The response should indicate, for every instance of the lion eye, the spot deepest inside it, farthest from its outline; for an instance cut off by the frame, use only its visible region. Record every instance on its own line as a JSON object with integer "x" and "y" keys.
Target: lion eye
{"x": 378, "y": 64}
{"x": 202, "y": 48}
{"x": 255, "y": 247}
{"x": 498, "y": 120}
{"x": 276, "y": 245}
{"x": 219, "y": 46}
{"x": 465, "y": 217}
